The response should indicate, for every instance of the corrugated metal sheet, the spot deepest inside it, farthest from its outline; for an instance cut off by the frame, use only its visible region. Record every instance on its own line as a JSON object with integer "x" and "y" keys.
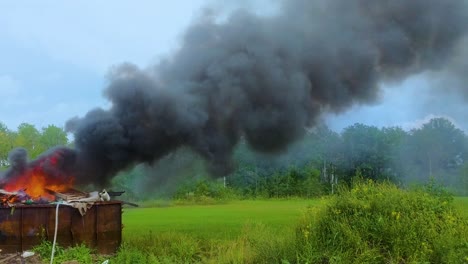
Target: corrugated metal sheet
{"x": 23, "y": 227}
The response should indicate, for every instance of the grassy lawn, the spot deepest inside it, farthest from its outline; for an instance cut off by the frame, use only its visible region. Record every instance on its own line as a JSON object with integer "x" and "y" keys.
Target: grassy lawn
{"x": 222, "y": 221}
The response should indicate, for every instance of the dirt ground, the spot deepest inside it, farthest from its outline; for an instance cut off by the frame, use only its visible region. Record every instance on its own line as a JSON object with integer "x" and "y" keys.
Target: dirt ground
{"x": 17, "y": 259}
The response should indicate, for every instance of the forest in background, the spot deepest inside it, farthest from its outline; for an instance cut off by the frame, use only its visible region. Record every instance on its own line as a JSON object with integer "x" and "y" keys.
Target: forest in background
{"x": 310, "y": 167}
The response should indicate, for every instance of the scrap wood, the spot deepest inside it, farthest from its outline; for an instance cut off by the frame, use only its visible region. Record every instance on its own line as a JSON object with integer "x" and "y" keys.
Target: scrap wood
{"x": 92, "y": 197}
{"x": 17, "y": 257}
{"x": 68, "y": 196}
{"x": 4, "y": 192}
{"x": 8, "y": 258}
{"x": 78, "y": 192}
{"x": 6, "y": 197}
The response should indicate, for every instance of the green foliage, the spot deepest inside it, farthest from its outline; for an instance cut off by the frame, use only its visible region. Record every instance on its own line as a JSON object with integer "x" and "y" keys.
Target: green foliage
{"x": 80, "y": 253}
{"x": 292, "y": 182}
{"x": 203, "y": 191}
{"x": 461, "y": 203}
{"x": 221, "y": 221}
{"x": 371, "y": 150}
{"x": 52, "y": 136}
{"x": 131, "y": 255}
{"x": 163, "y": 248}
{"x": 295, "y": 182}
{"x": 45, "y": 249}
{"x": 437, "y": 149}
{"x": 267, "y": 231}
{"x": 463, "y": 181}
{"x": 161, "y": 179}
{"x": 124, "y": 181}
{"x": 379, "y": 223}
{"x": 268, "y": 246}
{"x": 28, "y": 137}
{"x": 438, "y": 190}
{"x": 257, "y": 243}
{"x": 6, "y": 144}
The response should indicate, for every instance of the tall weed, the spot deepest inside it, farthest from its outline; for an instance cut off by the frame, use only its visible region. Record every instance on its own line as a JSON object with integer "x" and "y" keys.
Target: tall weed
{"x": 380, "y": 223}
{"x": 80, "y": 253}
{"x": 163, "y": 248}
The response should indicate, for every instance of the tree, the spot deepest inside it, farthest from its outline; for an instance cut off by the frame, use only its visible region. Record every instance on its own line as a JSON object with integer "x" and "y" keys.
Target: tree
{"x": 6, "y": 144}
{"x": 52, "y": 136}
{"x": 363, "y": 150}
{"x": 436, "y": 149}
{"x": 463, "y": 183}
{"x": 28, "y": 138}
{"x": 393, "y": 139}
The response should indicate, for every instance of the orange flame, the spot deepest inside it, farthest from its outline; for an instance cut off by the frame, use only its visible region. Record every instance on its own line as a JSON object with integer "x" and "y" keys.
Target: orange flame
{"x": 36, "y": 183}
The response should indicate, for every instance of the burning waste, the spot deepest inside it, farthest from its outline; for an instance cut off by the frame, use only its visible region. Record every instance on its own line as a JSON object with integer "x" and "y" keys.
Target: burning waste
{"x": 45, "y": 180}
{"x": 38, "y": 199}
{"x": 34, "y": 182}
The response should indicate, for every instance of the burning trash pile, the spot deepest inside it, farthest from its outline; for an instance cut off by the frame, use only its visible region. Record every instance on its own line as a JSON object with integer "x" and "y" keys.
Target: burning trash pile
{"x": 39, "y": 200}
{"x": 45, "y": 181}
{"x": 71, "y": 197}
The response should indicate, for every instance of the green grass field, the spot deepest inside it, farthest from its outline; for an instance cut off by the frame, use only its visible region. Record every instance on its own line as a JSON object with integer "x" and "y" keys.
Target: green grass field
{"x": 221, "y": 221}
{"x": 256, "y": 231}
{"x": 247, "y": 231}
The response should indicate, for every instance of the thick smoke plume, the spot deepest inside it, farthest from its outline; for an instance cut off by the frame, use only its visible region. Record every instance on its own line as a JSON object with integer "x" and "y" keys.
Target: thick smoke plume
{"x": 58, "y": 164}
{"x": 262, "y": 78}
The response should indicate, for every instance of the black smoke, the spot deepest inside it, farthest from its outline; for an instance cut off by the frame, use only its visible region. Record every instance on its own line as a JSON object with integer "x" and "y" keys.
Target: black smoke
{"x": 59, "y": 164}
{"x": 262, "y": 78}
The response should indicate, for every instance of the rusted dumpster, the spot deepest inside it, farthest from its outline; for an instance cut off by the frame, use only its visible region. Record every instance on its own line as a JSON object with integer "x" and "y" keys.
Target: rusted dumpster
{"x": 24, "y": 226}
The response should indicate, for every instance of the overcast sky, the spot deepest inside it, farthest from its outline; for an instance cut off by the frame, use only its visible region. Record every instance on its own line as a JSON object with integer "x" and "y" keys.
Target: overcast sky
{"x": 54, "y": 56}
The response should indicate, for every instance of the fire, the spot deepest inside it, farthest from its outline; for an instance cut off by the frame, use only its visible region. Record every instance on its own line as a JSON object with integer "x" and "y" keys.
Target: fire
{"x": 36, "y": 180}
{"x": 35, "y": 184}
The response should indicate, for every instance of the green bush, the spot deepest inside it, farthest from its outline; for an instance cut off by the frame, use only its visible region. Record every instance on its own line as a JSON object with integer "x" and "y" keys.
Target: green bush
{"x": 163, "y": 248}
{"x": 380, "y": 223}
{"x": 267, "y": 245}
{"x": 203, "y": 191}
{"x": 80, "y": 253}
{"x": 131, "y": 255}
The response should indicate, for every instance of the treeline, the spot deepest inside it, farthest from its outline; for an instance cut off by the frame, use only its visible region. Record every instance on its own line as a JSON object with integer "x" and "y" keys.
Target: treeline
{"x": 436, "y": 150}
{"x": 27, "y": 136}
{"x": 319, "y": 162}
{"x": 310, "y": 167}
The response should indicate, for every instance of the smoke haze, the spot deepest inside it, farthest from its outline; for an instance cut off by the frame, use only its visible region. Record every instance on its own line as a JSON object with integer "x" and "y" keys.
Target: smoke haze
{"x": 264, "y": 78}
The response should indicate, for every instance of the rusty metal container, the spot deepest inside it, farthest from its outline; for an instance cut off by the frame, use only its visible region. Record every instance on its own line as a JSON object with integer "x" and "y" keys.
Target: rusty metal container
{"x": 23, "y": 227}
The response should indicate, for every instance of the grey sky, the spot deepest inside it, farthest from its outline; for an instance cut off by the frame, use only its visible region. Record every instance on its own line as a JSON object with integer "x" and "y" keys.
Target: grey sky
{"x": 408, "y": 104}
{"x": 54, "y": 56}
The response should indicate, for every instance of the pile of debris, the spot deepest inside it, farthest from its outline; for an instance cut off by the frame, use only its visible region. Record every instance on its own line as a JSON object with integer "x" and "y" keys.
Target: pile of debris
{"x": 71, "y": 197}
{"x": 79, "y": 200}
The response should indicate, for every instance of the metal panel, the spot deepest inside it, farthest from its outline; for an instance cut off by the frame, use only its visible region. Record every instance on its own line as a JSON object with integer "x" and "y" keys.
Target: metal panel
{"x": 24, "y": 227}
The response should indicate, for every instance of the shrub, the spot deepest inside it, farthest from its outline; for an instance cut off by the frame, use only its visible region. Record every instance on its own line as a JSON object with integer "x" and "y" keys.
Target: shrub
{"x": 380, "y": 223}
{"x": 80, "y": 253}
{"x": 203, "y": 191}
{"x": 258, "y": 243}
{"x": 164, "y": 248}
{"x": 267, "y": 245}
{"x": 130, "y": 255}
